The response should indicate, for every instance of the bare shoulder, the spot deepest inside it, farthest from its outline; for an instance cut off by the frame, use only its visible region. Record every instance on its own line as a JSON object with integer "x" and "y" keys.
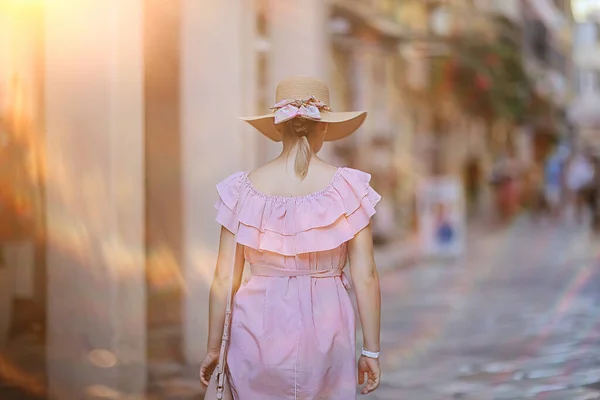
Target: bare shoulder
{"x": 263, "y": 173}
{"x": 263, "y": 177}
{"x": 324, "y": 169}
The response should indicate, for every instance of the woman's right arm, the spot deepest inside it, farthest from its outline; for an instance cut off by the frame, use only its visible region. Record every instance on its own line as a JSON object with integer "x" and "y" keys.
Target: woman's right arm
{"x": 368, "y": 296}
{"x": 219, "y": 290}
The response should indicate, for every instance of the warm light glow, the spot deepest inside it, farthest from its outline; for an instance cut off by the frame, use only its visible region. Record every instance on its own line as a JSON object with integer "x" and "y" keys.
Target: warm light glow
{"x": 19, "y": 4}
{"x": 102, "y": 358}
{"x": 583, "y": 9}
{"x": 103, "y": 392}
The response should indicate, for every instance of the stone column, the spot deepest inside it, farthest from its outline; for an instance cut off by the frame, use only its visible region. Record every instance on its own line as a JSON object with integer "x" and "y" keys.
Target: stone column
{"x": 213, "y": 141}
{"x": 299, "y": 39}
{"x": 6, "y": 272}
{"x": 20, "y": 114}
{"x": 6, "y": 35}
{"x": 95, "y": 199}
{"x": 250, "y": 76}
{"x": 362, "y": 73}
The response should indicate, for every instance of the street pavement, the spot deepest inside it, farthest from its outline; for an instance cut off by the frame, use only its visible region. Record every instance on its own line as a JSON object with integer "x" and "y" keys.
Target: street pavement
{"x": 517, "y": 317}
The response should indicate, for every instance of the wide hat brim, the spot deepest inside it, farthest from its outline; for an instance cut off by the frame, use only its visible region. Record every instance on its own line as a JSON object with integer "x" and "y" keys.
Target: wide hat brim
{"x": 341, "y": 124}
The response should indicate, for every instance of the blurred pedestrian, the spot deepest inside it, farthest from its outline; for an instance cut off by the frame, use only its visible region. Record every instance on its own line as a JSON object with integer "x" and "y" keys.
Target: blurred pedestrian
{"x": 295, "y": 220}
{"x": 534, "y": 192}
{"x": 579, "y": 175}
{"x": 593, "y": 192}
{"x": 553, "y": 181}
{"x": 505, "y": 175}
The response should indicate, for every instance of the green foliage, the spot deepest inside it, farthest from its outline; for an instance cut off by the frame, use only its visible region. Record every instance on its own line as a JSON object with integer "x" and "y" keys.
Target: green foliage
{"x": 486, "y": 76}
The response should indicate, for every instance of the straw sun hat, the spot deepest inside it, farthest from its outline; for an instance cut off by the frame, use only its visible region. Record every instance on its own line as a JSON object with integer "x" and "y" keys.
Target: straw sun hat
{"x": 306, "y": 97}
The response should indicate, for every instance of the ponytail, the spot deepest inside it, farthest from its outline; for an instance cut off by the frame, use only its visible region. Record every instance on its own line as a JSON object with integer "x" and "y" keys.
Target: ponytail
{"x": 303, "y": 155}
{"x": 297, "y": 130}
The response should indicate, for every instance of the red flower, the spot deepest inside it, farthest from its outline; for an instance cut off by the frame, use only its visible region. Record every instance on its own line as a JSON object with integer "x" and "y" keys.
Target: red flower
{"x": 482, "y": 82}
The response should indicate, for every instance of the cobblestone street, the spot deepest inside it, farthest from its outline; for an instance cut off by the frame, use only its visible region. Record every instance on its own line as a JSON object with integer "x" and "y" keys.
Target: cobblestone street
{"x": 518, "y": 318}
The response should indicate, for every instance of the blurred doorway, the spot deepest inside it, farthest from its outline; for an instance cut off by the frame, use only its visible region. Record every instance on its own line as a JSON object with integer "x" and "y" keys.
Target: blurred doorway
{"x": 472, "y": 181}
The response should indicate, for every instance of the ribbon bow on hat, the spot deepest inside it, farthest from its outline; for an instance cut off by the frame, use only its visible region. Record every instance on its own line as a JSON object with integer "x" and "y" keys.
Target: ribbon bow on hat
{"x": 309, "y": 108}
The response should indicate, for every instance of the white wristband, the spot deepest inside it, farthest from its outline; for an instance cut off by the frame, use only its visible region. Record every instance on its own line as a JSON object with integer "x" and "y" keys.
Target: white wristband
{"x": 370, "y": 354}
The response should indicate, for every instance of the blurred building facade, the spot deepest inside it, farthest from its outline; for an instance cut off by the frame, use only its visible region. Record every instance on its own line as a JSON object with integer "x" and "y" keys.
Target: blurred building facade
{"x": 522, "y": 111}
{"x": 548, "y": 48}
{"x": 416, "y": 97}
{"x": 586, "y": 54}
{"x": 370, "y": 72}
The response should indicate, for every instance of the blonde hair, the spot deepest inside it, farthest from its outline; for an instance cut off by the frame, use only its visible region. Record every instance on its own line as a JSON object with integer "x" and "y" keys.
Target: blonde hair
{"x": 296, "y": 131}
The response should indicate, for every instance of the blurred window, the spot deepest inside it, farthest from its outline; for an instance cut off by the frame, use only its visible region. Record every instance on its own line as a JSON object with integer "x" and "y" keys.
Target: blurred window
{"x": 557, "y": 60}
{"x": 586, "y": 34}
{"x": 539, "y": 40}
{"x": 586, "y": 79}
{"x": 577, "y": 81}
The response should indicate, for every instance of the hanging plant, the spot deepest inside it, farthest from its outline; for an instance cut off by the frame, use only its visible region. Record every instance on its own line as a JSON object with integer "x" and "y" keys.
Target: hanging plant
{"x": 486, "y": 77}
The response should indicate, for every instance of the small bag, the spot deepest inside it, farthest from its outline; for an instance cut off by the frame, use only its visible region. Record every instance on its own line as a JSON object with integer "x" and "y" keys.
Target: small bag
{"x": 213, "y": 393}
{"x": 218, "y": 387}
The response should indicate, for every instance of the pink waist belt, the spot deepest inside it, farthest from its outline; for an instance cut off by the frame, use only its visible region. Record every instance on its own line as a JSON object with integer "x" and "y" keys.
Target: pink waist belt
{"x": 271, "y": 271}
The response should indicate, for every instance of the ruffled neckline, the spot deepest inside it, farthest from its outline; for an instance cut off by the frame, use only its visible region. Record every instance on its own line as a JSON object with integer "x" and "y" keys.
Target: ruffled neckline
{"x": 310, "y": 196}
{"x": 292, "y": 225}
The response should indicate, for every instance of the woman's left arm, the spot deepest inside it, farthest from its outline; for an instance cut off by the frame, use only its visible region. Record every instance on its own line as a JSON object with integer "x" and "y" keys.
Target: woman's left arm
{"x": 218, "y": 297}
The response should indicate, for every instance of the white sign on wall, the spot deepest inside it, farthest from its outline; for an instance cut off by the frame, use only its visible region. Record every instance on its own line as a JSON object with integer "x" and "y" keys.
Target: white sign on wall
{"x": 441, "y": 216}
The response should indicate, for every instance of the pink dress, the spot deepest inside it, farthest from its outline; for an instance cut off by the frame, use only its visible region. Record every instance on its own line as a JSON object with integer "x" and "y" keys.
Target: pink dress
{"x": 293, "y": 328}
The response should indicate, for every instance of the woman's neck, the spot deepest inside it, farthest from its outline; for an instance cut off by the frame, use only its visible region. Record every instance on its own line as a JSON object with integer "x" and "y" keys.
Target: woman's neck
{"x": 288, "y": 156}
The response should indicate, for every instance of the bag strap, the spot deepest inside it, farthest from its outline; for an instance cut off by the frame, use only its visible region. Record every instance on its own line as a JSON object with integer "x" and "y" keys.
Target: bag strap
{"x": 226, "y": 327}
